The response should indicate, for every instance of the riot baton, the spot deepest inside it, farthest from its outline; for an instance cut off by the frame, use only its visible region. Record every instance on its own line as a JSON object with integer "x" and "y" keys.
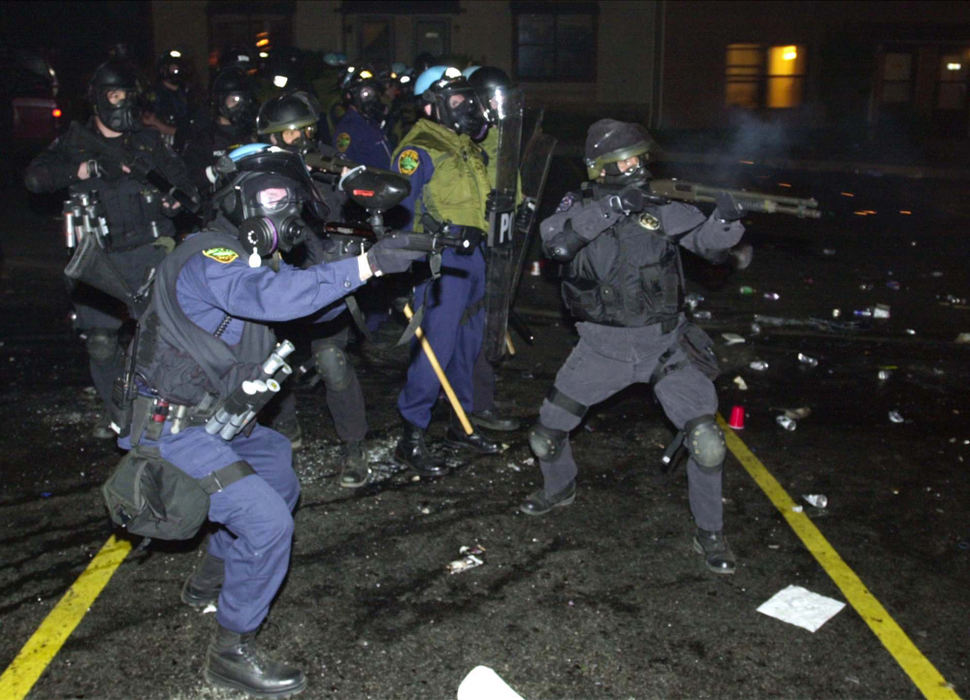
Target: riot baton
{"x": 445, "y": 384}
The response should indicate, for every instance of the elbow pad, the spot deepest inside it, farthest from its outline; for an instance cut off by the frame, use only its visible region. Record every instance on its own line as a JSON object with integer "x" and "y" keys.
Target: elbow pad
{"x": 564, "y": 246}
{"x": 38, "y": 180}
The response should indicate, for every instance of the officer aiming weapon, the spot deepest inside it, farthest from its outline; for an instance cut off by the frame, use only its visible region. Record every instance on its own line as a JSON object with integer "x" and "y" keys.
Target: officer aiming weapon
{"x": 141, "y": 169}
{"x": 763, "y": 202}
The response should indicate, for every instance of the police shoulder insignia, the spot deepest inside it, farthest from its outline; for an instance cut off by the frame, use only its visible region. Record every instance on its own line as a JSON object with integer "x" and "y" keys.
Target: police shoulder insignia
{"x": 408, "y": 161}
{"x": 649, "y": 221}
{"x": 566, "y": 202}
{"x": 221, "y": 255}
{"x": 343, "y": 141}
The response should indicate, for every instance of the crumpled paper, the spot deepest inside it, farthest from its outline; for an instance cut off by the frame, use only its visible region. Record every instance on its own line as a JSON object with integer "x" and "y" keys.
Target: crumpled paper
{"x": 799, "y": 606}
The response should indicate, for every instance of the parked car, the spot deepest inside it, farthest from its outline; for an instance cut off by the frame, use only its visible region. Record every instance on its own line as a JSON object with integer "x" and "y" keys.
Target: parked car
{"x": 31, "y": 115}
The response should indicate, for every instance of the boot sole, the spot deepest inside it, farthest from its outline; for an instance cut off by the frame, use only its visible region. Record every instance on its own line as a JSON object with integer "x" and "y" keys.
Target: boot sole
{"x": 218, "y": 680}
{"x": 404, "y": 465}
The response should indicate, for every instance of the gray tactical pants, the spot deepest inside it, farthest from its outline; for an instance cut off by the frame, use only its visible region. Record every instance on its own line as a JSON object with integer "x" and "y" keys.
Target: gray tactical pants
{"x": 607, "y": 360}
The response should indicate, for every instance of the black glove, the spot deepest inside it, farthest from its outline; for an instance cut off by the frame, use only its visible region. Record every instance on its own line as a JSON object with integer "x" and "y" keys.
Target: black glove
{"x": 390, "y": 255}
{"x": 106, "y": 168}
{"x": 496, "y": 201}
{"x": 525, "y": 214}
{"x": 630, "y": 200}
{"x": 727, "y": 207}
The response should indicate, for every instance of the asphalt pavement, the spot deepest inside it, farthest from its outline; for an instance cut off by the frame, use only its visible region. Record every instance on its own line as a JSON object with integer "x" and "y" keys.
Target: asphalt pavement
{"x": 604, "y": 598}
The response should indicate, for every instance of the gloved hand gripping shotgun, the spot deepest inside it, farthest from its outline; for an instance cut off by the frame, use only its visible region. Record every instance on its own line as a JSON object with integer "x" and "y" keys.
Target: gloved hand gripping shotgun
{"x": 141, "y": 168}
{"x": 252, "y": 395}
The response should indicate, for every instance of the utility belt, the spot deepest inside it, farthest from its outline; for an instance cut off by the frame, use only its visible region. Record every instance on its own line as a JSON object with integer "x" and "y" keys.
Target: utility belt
{"x": 150, "y": 414}
{"x": 667, "y": 323}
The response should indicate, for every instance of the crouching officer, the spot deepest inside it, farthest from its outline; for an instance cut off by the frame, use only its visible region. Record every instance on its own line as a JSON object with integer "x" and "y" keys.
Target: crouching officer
{"x": 202, "y": 340}
{"x": 625, "y": 285}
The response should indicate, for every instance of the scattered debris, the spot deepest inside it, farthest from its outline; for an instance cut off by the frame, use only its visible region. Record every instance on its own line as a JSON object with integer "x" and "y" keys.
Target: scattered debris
{"x": 693, "y": 300}
{"x": 702, "y": 315}
{"x": 797, "y": 413}
{"x": 732, "y": 338}
{"x": 742, "y": 385}
{"x": 799, "y": 606}
{"x": 884, "y": 374}
{"x": 962, "y": 338}
{"x": 759, "y": 365}
{"x": 896, "y": 417}
{"x": 737, "y": 418}
{"x": 807, "y": 360}
{"x": 470, "y": 559}
{"x": 746, "y": 291}
{"x": 785, "y": 422}
{"x": 773, "y": 296}
{"x": 819, "y": 500}
{"x": 482, "y": 683}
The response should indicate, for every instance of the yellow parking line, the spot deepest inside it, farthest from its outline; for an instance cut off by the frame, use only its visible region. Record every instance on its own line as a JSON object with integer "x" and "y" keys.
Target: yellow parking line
{"x": 26, "y": 668}
{"x": 930, "y": 682}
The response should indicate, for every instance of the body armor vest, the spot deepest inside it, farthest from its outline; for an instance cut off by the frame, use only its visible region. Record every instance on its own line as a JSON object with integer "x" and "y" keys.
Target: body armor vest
{"x": 458, "y": 190}
{"x": 178, "y": 359}
{"x": 629, "y": 275}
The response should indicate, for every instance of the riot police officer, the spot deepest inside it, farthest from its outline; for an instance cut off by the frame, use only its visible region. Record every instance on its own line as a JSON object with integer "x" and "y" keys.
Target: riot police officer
{"x": 359, "y": 135}
{"x": 289, "y": 121}
{"x": 449, "y": 184}
{"x": 232, "y": 123}
{"x": 95, "y": 158}
{"x": 624, "y": 284}
{"x": 167, "y": 104}
{"x": 203, "y": 338}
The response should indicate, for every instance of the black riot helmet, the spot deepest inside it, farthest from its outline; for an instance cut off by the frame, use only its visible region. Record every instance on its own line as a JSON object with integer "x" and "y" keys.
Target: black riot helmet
{"x": 608, "y": 142}
{"x": 268, "y": 197}
{"x": 296, "y": 111}
{"x": 171, "y": 67}
{"x": 437, "y": 86}
{"x": 489, "y": 83}
{"x": 235, "y": 57}
{"x": 234, "y": 98}
{"x": 114, "y": 75}
{"x": 361, "y": 88}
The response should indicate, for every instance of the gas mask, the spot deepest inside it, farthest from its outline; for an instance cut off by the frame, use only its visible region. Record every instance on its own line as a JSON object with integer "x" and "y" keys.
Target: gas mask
{"x": 121, "y": 116}
{"x": 465, "y": 117}
{"x": 269, "y": 211}
{"x": 367, "y": 100}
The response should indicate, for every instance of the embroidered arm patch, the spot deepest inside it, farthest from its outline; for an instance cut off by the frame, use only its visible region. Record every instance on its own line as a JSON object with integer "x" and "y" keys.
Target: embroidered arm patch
{"x": 221, "y": 255}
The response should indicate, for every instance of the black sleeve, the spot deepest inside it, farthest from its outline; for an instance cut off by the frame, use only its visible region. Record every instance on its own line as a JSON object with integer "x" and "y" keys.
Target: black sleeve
{"x": 55, "y": 167}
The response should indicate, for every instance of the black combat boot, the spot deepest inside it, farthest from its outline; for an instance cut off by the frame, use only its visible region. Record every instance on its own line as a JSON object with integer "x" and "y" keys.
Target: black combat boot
{"x": 202, "y": 588}
{"x": 412, "y": 452}
{"x": 457, "y": 437}
{"x": 538, "y": 503}
{"x": 492, "y": 420}
{"x": 233, "y": 662}
{"x": 716, "y": 550}
{"x": 354, "y": 472}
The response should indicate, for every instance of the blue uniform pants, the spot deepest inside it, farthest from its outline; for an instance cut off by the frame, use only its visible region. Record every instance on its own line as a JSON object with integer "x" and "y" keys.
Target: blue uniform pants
{"x": 255, "y": 513}
{"x": 456, "y": 344}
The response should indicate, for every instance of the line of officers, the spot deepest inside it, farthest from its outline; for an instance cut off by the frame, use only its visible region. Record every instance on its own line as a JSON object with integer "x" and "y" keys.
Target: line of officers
{"x": 255, "y": 260}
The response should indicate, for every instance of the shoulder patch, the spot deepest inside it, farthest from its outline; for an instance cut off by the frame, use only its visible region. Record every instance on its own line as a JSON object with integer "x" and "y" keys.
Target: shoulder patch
{"x": 221, "y": 255}
{"x": 343, "y": 141}
{"x": 566, "y": 202}
{"x": 408, "y": 161}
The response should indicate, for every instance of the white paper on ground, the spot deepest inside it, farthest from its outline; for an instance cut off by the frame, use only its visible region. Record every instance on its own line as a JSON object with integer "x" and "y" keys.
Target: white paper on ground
{"x": 801, "y": 607}
{"x": 482, "y": 683}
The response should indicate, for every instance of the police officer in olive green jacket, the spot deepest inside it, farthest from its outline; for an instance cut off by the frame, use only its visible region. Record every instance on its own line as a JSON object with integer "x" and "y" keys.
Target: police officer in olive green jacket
{"x": 449, "y": 184}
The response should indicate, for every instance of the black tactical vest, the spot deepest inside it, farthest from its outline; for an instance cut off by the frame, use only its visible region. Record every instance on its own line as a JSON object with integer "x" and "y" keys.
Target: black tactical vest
{"x": 178, "y": 359}
{"x": 630, "y": 275}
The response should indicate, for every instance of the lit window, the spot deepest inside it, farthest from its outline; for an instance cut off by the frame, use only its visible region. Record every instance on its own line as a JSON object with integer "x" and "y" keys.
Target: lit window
{"x": 951, "y": 87}
{"x": 758, "y": 76}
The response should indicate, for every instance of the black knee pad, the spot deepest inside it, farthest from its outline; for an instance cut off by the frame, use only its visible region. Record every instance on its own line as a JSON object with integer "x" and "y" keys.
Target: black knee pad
{"x": 101, "y": 344}
{"x": 333, "y": 367}
{"x": 545, "y": 442}
{"x": 705, "y": 442}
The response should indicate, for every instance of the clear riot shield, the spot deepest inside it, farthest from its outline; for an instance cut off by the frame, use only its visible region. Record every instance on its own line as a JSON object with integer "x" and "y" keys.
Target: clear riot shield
{"x": 500, "y": 253}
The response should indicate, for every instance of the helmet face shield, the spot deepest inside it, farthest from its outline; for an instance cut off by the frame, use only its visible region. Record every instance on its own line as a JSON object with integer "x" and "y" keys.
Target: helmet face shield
{"x": 609, "y": 142}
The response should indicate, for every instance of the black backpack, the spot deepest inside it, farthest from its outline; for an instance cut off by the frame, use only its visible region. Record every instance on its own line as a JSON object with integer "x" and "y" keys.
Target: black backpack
{"x": 149, "y": 496}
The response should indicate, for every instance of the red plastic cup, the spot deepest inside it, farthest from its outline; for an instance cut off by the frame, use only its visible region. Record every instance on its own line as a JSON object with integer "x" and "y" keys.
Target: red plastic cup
{"x": 737, "y": 418}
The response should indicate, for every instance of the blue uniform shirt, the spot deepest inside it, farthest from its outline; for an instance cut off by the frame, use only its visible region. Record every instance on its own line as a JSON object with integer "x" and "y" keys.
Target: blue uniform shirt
{"x": 362, "y": 141}
{"x": 214, "y": 284}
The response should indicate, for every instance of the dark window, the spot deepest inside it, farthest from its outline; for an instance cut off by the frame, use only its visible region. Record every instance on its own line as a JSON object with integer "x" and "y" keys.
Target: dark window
{"x": 375, "y": 43}
{"x": 897, "y": 77}
{"x": 551, "y": 46}
{"x": 432, "y": 36}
